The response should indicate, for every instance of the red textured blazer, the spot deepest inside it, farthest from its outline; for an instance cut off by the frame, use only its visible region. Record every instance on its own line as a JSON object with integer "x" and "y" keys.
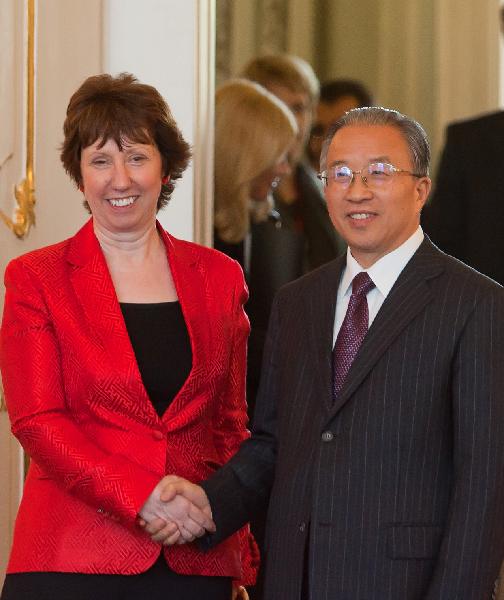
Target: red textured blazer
{"x": 78, "y": 406}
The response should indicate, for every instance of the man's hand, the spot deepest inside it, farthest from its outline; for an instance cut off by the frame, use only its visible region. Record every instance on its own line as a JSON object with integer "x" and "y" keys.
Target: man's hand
{"x": 177, "y": 511}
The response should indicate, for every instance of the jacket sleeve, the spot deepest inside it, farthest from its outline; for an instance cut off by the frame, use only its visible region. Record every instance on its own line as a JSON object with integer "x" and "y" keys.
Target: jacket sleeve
{"x": 230, "y": 421}
{"x": 230, "y": 418}
{"x": 472, "y": 547}
{"x": 241, "y": 488}
{"x": 30, "y": 363}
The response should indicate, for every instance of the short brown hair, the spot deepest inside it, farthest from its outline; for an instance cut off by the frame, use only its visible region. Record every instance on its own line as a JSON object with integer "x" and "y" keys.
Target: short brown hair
{"x": 106, "y": 107}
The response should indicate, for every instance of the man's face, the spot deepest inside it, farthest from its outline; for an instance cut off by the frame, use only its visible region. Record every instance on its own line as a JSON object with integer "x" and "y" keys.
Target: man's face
{"x": 301, "y": 107}
{"x": 326, "y": 114}
{"x": 374, "y": 221}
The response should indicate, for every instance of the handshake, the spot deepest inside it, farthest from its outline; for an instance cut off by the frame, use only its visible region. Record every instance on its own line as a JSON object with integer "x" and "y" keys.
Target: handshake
{"x": 176, "y": 512}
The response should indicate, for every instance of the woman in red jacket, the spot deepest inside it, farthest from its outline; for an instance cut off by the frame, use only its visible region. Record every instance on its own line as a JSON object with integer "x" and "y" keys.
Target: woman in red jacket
{"x": 122, "y": 353}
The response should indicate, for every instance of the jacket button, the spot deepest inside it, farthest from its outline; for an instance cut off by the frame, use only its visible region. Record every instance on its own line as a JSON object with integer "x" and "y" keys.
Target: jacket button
{"x": 327, "y": 436}
{"x": 302, "y": 527}
{"x": 158, "y": 435}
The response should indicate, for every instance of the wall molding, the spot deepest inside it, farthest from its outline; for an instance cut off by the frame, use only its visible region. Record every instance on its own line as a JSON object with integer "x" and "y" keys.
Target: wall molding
{"x": 24, "y": 192}
{"x": 204, "y": 102}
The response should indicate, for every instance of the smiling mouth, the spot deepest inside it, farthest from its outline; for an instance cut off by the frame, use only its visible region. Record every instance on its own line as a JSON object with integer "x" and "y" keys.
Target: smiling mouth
{"x": 361, "y": 216}
{"x": 118, "y": 202}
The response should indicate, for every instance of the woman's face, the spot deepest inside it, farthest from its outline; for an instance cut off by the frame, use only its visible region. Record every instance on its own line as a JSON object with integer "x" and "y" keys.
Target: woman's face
{"x": 122, "y": 187}
{"x": 262, "y": 185}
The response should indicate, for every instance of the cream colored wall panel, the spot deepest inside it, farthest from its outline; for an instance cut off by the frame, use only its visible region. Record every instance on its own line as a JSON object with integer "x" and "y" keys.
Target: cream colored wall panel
{"x": 301, "y": 30}
{"x": 162, "y": 55}
{"x": 68, "y": 51}
{"x": 406, "y": 60}
{"x": 467, "y": 59}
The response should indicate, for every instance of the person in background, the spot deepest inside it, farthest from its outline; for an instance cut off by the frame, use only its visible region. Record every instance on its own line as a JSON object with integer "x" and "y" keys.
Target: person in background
{"x": 465, "y": 216}
{"x": 122, "y": 353}
{"x": 337, "y": 96}
{"x": 254, "y": 131}
{"x": 298, "y": 198}
{"x": 378, "y": 429}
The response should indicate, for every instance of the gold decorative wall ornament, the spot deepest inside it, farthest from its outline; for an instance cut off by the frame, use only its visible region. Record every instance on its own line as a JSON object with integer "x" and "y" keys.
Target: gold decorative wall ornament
{"x": 24, "y": 192}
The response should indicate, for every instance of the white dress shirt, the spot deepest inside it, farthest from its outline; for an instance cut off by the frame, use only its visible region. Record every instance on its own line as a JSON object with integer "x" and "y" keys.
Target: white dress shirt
{"x": 384, "y": 273}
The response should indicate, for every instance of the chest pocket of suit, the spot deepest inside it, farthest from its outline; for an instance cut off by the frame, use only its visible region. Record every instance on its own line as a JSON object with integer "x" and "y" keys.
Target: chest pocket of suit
{"x": 413, "y": 541}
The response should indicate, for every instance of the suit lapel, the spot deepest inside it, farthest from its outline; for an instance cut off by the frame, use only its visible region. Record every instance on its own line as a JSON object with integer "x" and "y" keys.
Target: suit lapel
{"x": 409, "y": 295}
{"x": 191, "y": 290}
{"x": 96, "y": 295}
{"x": 322, "y": 306}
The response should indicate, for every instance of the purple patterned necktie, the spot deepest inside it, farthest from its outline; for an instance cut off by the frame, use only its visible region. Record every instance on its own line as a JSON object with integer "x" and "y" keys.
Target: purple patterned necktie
{"x": 353, "y": 330}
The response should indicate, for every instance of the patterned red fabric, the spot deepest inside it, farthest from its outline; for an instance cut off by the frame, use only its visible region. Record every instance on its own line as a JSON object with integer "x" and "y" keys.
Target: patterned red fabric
{"x": 78, "y": 406}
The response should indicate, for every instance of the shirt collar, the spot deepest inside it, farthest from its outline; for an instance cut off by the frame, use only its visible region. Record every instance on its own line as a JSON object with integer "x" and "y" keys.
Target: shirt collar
{"x": 385, "y": 271}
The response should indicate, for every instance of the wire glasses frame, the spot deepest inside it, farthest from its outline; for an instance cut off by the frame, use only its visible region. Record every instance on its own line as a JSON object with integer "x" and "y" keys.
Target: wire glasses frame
{"x": 375, "y": 174}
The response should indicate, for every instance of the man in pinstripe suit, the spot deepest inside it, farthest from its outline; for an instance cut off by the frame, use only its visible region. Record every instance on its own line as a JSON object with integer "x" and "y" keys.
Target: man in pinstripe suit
{"x": 391, "y": 488}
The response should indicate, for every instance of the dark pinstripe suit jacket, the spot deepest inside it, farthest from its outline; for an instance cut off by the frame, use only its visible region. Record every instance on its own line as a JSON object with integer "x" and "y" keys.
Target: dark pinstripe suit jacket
{"x": 397, "y": 489}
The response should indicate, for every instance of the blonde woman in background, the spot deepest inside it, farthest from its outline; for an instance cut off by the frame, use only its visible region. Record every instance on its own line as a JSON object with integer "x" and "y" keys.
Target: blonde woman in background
{"x": 254, "y": 132}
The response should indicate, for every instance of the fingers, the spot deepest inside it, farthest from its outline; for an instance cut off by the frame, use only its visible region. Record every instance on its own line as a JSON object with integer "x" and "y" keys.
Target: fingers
{"x": 168, "y": 487}
{"x": 166, "y": 534}
{"x": 156, "y": 525}
{"x": 161, "y": 529}
{"x": 190, "y": 528}
{"x": 162, "y": 532}
{"x": 176, "y": 538}
{"x": 186, "y": 534}
{"x": 202, "y": 519}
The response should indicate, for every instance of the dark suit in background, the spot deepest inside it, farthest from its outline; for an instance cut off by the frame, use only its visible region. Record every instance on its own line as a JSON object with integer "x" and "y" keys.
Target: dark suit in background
{"x": 396, "y": 491}
{"x": 465, "y": 216}
{"x": 294, "y": 240}
{"x": 309, "y": 219}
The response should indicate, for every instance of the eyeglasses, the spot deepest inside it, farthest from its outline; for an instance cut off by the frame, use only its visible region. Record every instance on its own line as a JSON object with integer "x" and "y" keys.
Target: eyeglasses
{"x": 374, "y": 175}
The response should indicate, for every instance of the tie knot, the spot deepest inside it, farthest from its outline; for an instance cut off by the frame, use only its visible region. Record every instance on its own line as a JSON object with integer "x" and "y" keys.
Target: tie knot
{"x": 362, "y": 284}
